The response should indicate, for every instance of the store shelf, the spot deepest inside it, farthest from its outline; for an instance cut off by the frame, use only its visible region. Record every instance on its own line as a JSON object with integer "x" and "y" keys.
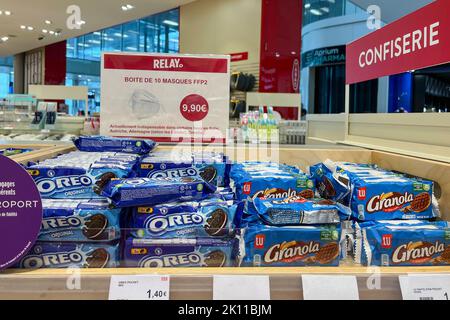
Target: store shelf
{"x": 196, "y": 283}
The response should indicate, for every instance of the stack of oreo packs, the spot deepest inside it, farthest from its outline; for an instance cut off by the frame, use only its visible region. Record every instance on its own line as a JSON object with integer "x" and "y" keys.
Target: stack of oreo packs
{"x": 79, "y": 229}
{"x": 180, "y": 232}
{"x": 391, "y": 214}
{"x": 284, "y": 224}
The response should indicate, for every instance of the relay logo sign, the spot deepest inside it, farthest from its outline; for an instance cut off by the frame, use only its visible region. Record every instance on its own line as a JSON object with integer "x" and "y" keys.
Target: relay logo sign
{"x": 169, "y": 98}
{"x": 20, "y": 212}
{"x": 416, "y": 41}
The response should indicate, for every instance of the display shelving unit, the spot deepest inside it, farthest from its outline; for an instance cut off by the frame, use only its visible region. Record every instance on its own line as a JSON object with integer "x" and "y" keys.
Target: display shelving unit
{"x": 197, "y": 283}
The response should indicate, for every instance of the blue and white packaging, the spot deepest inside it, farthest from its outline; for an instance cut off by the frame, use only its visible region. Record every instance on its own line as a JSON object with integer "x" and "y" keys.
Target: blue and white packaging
{"x": 79, "y": 221}
{"x": 147, "y": 192}
{"x": 70, "y": 255}
{"x": 213, "y": 168}
{"x": 157, "y": 253}
{"x": 109, "y": 144}
{"x": 212, "y": 217}
{"x": 269, "y": 180}
{"x": 419, "y": 243}
{"x": 80, "y": 175}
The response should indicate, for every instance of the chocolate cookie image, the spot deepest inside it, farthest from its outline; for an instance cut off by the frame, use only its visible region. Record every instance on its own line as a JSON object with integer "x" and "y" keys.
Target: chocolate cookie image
{"x": 97, "y": 259}
{"x": 421, "y": 202}
{"x": 327, "y": 253}
{"x": 216, "y": 223}
{"x": 215, "y": 259}
{"x": 95, "y": 227}
{"x": 208, "y": 174}
{"x": 445, "y": 256}
{"x": 307, "y": 194}
{"x": 326, "y": 188}
{"x": 102, "y": 181}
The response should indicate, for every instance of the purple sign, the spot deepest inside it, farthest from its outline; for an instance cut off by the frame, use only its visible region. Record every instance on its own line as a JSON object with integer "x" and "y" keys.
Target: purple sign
{"x": 20, "y": 212}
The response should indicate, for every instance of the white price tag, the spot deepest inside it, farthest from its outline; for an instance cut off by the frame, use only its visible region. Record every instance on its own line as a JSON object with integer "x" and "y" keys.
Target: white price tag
{"x": 425, "y": 286}
{"x": 139, "y": 287}
{"x": 241, "y": 288}
{"x": 322, "y": 287}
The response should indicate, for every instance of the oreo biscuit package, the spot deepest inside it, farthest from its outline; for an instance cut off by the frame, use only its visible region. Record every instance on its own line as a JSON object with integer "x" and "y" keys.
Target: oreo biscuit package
{"x": 108, "y": 144}
{"x": 71, "y": 255}
{"x": 376, "y": 194}
{"x": 80, "y": 176}
{"x": 79, "y": 221}
{"x": 152, "y": 253}
{"x": 297, "y": 210}
{"x": 269, "y": 180}
{"x": 273, "y": 246}
{"x": 213, "y": 168}
{"x": 147, "y": 192}
{"x": 387, "y": 244}
{"x": 213, "y": 218}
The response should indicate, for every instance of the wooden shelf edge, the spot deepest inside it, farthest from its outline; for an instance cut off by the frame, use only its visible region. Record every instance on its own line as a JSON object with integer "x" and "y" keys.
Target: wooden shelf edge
{"x": 280, "y": 271}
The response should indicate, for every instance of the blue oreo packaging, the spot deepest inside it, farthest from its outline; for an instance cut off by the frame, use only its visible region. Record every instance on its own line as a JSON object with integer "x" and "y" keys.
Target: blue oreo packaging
{"x": 80, "y": 176}
{"x": 213, "y": 218}
{"x": 108, "y": 144}
{"x": 269, "y": 180}
{"x": 147, "y": 192}
{"x": 213, "y": 168}
{"x": 375, "y": 194}
{"x": 297, "y": 210}
{"x": 400, "y": 244}
{"x": 273, "y": 246}
{"x": 150, "y": 253}
{"x": 79, "y": 221}
{"x": 71, "y": 255}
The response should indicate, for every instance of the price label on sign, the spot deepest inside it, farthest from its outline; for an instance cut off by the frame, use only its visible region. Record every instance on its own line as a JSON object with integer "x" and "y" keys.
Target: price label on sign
{"x": 323, "y": 287}
{"x": 194, "y": 107}
{"x": 140, "y": 287}
{"x": 425, "y": 286}
{"x": 241, "y": 288}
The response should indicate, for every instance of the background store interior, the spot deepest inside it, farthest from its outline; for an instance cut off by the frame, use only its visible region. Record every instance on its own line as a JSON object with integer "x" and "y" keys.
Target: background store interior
{"x": 311, "y": 34}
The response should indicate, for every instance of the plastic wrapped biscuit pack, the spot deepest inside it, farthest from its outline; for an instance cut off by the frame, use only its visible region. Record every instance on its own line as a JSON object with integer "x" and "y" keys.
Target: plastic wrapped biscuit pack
{"x": 124, "y": 203}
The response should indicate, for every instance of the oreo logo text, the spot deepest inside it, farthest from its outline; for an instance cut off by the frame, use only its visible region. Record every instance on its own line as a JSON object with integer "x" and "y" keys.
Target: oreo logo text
{"x": 54, "y": 259}
{"x": 174, "y": 173}
{"x": 61, "y": 222}
{"x": 290, "y": 251}
{"x": 171, "y": 261}
{"x": 50, "y": 185}
{"x": 160, "y": 225}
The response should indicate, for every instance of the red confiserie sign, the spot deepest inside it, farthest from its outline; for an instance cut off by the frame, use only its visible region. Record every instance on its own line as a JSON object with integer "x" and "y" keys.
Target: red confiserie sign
{"x": 165, "y": 63}
{"x": 416, "y": 41}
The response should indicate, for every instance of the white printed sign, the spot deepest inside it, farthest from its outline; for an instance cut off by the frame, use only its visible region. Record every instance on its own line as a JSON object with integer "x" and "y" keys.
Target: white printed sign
{"x": 322, "y": 287}
{"x": 241, "y": 288}
{"x": 425, "y": 286}
{"x": 166, "y": 97}
{"x": 139, "y": 287}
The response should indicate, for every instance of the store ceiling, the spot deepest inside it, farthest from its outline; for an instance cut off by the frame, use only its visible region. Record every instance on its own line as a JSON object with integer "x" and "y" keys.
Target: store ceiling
{"x": 392, "y": 10}
{"x": 97, "y": 14}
